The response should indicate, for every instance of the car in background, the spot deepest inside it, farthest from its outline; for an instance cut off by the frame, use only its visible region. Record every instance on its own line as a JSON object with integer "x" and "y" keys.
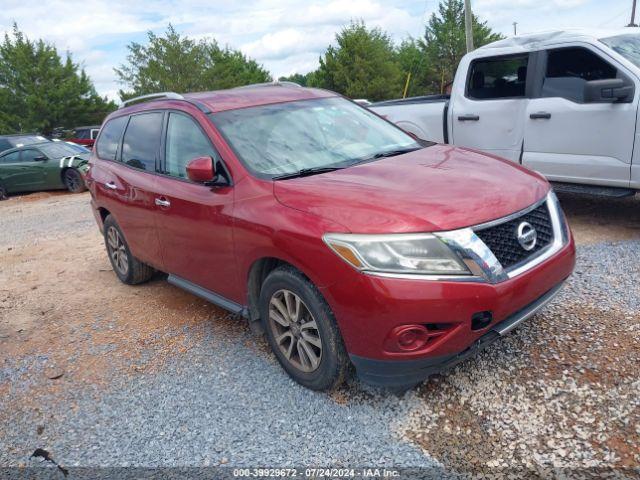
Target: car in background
{"x": 75, "y": 146}
{"x": 42, "y": 166}
{"x": 18, "y": 140}
{"x": 85, "y": 135}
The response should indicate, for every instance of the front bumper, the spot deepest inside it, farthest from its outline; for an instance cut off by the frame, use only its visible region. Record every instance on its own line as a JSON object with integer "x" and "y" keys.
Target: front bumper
{"x": 391, "y": 373}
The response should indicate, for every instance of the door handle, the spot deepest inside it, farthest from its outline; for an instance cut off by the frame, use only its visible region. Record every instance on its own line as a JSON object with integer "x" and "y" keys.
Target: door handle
{"x": 540, "y": 116}
{"x": 465, "y": 118}
{"x": 163, "y": 202}
{"x": 110, "y": 185}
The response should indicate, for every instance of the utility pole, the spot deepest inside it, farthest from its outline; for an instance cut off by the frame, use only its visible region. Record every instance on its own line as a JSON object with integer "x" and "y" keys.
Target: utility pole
{"x": 633, "y": 15}
{"x": 515, "y": 30}
{"x": 468, "y": 25}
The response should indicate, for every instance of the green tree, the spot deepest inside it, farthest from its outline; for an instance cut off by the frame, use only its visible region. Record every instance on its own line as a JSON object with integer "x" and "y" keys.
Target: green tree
{"x": 298, "y": 78}
{"x": 411, "y": 57}
{"x": 40, "y": 91}
{"x": 174, "y": 62}
{"x": 362, "y": 65}
{"x": 444, "y": 44}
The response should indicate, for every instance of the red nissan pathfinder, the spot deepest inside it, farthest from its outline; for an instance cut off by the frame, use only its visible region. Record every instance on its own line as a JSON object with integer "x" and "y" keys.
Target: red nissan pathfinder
{"x": 344, "y": 239}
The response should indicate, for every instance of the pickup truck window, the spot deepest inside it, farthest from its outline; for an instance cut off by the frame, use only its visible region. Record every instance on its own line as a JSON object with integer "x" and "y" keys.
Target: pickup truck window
{"x": 568, "y": 69}
{"x": 497, "y": 77}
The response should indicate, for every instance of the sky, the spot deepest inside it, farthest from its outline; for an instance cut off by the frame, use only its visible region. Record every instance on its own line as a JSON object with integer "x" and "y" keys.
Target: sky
{"x": 285, "y": 36}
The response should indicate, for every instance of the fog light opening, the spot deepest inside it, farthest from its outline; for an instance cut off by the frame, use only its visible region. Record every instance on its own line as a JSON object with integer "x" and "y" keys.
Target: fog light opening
{"x": 409, "y": 338}
{"x": 480, "y": 320}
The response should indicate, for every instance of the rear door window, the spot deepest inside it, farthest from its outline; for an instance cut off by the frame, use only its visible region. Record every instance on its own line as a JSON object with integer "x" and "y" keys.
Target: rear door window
{"x": 141, "y": 142}
{"x": 498, "y": 77}
{"x": 107, "y": 145}
{"x": 568, "y": 69}
{"x": 12, "y": 157}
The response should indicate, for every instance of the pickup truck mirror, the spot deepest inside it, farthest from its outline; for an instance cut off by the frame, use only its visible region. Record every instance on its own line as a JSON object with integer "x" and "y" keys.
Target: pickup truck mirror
{"x": 609, "y": 90}
{"x": 207, "y": 171}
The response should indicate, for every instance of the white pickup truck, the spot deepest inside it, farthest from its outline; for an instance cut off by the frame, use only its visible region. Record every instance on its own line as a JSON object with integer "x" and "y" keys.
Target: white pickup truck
{"x": 562, "y": 103}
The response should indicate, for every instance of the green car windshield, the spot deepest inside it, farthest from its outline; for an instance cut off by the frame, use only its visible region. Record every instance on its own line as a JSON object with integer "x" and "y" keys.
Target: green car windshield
{"x": 58, "y": 150}
{"x": 284, "y": 138}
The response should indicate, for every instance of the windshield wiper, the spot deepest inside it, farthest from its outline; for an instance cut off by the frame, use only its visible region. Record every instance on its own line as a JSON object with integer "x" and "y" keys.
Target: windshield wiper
{"x": 305, "y": 172}
{"x": 389, "y": 153}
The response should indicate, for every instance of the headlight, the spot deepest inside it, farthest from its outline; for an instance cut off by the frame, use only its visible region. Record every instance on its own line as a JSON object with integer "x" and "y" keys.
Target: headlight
{"x": 423, "y": 254}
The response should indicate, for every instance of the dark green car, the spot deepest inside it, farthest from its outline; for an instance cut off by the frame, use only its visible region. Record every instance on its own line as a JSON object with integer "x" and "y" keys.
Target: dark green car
{"x": 43, "y": 166}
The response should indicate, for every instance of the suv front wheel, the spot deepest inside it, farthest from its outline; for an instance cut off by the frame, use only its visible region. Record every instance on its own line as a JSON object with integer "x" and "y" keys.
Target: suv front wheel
{"x": 302, "y": 330}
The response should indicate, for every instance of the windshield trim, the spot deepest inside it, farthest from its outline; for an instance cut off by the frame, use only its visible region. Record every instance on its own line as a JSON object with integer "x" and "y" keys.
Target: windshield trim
{"x": 343, "y": 164}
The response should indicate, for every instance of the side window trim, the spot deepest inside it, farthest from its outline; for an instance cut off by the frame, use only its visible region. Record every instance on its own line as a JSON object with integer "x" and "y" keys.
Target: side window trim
{"x": 163, "y": 152}
{"x": 496, "y": 58}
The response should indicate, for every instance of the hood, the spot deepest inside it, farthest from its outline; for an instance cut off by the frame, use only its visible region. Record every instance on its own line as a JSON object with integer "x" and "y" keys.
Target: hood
{"x": 432, "y": 189}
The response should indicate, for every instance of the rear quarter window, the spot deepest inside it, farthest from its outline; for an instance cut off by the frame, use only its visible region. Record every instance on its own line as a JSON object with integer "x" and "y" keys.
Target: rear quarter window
{"x": 107, "y": 144}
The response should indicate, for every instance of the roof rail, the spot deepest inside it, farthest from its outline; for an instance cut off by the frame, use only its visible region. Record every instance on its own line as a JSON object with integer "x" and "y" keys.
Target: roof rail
{"x": 275, "y": 83}
{"x": 152, "y": 96}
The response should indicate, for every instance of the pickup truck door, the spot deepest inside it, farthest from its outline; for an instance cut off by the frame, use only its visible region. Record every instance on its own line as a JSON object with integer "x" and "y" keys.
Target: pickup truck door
{"x": 567, "y": 137}
{"x": 488, "y": 104}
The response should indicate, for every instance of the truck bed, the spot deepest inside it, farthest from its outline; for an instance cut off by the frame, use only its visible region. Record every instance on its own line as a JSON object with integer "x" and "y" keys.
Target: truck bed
{"x": 423, "y": 116}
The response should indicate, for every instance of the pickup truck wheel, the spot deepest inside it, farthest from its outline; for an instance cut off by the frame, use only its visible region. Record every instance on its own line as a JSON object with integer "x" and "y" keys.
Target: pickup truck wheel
{"x": 128, "y": 268}
{"x": 302, "y": 330}
{"x": 73, "y": 180}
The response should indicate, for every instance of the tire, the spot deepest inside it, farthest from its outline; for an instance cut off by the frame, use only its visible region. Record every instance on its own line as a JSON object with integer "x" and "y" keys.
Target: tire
{"x": 73, "y": 180}
{"x": 331, "y": 360}
{"x": 128, "y": 268}
{"x": 3, "y": 193}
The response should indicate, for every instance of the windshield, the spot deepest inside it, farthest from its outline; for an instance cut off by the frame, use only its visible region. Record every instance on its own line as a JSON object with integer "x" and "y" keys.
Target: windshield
{"x": 627, "y": 45}
{"x": 273, "y": 140}
{"x": 58, "y": 150}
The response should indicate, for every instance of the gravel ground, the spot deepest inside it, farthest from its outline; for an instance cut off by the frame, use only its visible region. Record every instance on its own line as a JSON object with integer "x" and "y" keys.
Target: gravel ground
{"x": 101, "y": 374}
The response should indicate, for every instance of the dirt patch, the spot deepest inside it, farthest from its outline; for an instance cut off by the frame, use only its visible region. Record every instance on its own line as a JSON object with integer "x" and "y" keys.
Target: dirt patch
{"x": 64, "y": 310}
{"x": 36, "y": 196}
{"x": 595, "y": 219}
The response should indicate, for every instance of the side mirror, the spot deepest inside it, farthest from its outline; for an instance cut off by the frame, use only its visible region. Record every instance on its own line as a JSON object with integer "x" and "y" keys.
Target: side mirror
{"x": 207, "y": 171}
{"x": 609, "y": 90}
{"x": 40, "y": 158}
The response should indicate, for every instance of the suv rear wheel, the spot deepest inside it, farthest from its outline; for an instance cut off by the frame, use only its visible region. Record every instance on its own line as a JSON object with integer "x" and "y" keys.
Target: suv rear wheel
{"x": 128, "y": 268}
{"x": 302, "y": 330}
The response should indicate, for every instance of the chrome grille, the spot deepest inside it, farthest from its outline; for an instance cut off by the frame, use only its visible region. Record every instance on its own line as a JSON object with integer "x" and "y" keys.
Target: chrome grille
{"x": 502, "y": 239}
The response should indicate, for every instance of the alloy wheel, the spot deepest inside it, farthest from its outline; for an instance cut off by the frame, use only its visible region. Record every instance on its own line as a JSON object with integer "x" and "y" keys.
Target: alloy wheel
{"x": 72, "y": 180}
{"x": 295, "y": 331}
{"x": 117, "y": 251}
